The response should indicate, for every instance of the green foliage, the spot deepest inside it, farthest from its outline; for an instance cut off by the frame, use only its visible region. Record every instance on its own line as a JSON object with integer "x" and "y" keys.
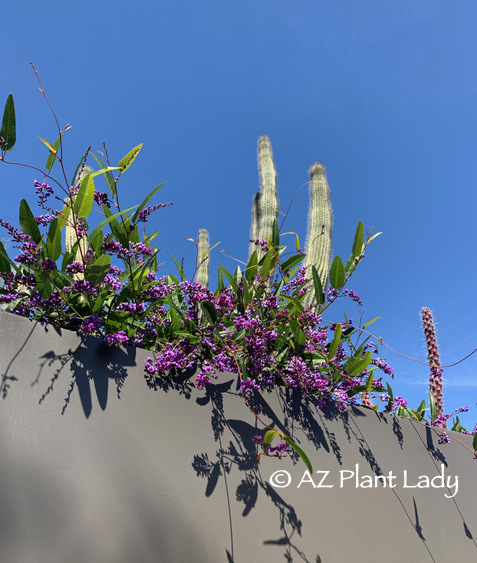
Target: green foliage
{"x": 8, "y": 134}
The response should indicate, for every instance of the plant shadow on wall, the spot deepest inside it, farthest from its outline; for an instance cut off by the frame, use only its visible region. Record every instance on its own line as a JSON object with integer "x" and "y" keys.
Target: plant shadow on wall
{"x": 328, "y": 432}
{"x": 236, "y": 453}
{"x": 92, "y": 366}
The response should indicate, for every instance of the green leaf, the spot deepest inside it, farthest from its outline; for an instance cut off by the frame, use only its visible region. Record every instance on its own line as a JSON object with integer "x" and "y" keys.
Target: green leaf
{"x": 53, "y": 241}
{"x": 335, "y": 342}
{"x": 96, "y": 241}
{"x": 175, "y": 320}
{"x": 84, "y": 199}
{"x": 127, "y": 160}
{"x": 359, "y": 365}
{"x": 51, "y": 159}
{"x": 50, "y": 147}
{"x": 220, "y": 280}
{"x": 457, "y": 427}
{"x": 117, "y": 228}
{"x": 421, "y": 407}
{"x": 300, "y": 452}
{"x": 103, "y": 171}
{"x": 251, "y": 268}
{"x": 98, "y": 270}
{"x": 474, "y": 442}
{"x": 275, "y": 234}
{"x": 432, "y": 403}
{"x": 300, "y": 337}
{"x": 209, "y": 311}
{"x": 337, "y": 273}
{"x": 108, "y": 220}
{"x": 291, "y": 262}
{"x": 391, "y": 396}
{"x": 267, "y": 265}
{"x": 319, "y": 296}
{"x": 269, "y": 435}
{"x": 369, "y": 382}
{"x": 27, "y": 222}
{"x": 144, "y": 203}
{"x": 232, "y": 280}
{"x": 8, "y": 130}
{"x": 180, "y": 269}
{"x": 42, "y": 282}
{"x": 358, "y": 240}
{"x": 109, "y": 177}
{"x": 4, "y": 261}
{"x": 371, "y": 322}
{"x": 64, "y": 216}
{"x": 294, "y": 301}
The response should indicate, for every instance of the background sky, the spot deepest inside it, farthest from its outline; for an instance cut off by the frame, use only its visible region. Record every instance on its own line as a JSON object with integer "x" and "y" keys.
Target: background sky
{"x": 384, "y": 94}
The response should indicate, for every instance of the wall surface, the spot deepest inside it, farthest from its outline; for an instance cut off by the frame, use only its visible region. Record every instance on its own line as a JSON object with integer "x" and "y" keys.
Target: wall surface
{"x": 97, "y": 467}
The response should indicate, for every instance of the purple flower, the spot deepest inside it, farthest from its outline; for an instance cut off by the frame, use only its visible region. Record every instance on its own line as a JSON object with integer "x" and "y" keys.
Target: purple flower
{"x": 281, "y": 449}
{"x": 399, "y": 402}
{"x": 101, "y": 197}
{"x": 443, "y": 439}
{"x": 47, "y": 264}
{"x": 249, "y": 385}
{"x": 91, "y": 324}
{"x": 74, "y": 268}
{"x": 118, "y": 338}
{"x": 145, "y": 212}
{"x": 44, "y": 219}
{"x": 43, "y": 190}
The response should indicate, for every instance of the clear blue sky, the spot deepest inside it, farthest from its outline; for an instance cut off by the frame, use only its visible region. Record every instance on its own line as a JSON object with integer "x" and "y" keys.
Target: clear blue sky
{"x": 384, "y": 94}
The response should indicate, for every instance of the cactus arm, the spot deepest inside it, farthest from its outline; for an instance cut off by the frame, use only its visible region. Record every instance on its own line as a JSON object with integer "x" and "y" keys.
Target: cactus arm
{"x": 267, "y": 210}
{"x": 320, "y": 223}
{"x": 255, "y": 223}
{"x": 203, "y": 257}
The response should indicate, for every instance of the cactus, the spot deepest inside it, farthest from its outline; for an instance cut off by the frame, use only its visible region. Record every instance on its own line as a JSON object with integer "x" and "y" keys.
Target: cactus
{"x": 202, "y": 276}
{"x": 320, "y": 223}
{"x": 255, "y": 222}
{"x": 435, "y": 379}
{"x": 265, "y": 204}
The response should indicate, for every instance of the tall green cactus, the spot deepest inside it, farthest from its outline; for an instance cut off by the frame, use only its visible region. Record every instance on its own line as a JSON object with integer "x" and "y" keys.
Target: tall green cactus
{"x": 320, "y": 224}
{"x": 255, "y": 222}
{"x": 435, "y": 379}
{"x": 203, "y": 257}
{"x": 265, "y": 204}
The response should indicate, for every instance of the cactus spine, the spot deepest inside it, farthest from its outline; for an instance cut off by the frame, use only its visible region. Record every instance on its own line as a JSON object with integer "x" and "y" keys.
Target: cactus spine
{"x": 435, "y": 379}
{"x": 320, "y": 223}
{"x": 265, "y": 204}
{"x": 203, "y": 257}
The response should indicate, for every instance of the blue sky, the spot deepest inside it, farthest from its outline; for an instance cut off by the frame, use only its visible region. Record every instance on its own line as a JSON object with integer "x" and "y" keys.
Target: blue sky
{"x": 382, "y": 93}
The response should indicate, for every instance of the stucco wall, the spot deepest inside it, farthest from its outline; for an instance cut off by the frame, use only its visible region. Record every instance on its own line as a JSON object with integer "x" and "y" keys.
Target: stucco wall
{"x": 97, "y": 467}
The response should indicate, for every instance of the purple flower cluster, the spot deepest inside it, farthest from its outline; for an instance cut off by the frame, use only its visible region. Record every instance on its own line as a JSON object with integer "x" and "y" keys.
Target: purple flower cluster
{"x": 44, "y": 220}
{"x": 117, "y": 338}
{"x": 249, "y": 385}
{"x": 43, "y": 191}
{"x": 91, "y": 325}
{"x": 74, "y": 268}
{"x": 143, "y": 215}
{"x": 101, "y": 198}
{"x": 399, "y": 402}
